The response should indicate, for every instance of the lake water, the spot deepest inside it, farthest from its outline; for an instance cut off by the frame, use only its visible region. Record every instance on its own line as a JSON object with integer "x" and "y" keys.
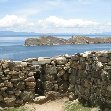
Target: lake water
{"x": 13, "y": 49}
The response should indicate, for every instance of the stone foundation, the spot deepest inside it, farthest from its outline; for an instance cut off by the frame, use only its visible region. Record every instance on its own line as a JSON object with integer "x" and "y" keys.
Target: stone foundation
{"x": 86, "y": 76}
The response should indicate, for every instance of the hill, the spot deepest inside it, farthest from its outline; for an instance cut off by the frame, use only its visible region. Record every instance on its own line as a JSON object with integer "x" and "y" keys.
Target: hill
{"x": 50, "y": 40}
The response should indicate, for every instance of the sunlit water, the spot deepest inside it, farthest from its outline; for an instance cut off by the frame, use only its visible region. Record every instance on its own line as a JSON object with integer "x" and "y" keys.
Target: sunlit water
{"x": 15, "y": 49}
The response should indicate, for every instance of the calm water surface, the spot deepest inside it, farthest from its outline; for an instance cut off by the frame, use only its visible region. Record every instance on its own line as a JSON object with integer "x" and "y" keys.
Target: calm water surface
{"x": 14, "y": 49}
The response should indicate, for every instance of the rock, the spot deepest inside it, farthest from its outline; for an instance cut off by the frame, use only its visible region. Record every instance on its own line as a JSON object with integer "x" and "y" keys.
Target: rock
{"x": 52, "y": 95}
{"x": 10, "y": 101}
{"x": 2, "y": 85}
{"x": 30, "y": 74}
{"x": 61, "y": 60}
{"x": 60, "y": 73}
{"x": 30, "y": 79}
{"x": 17, "y": 92}
{"x": 27, "y": 96}
{"x": 50, "y": 69}
{"x": 109, "y": 88}
{"x": 40, "y": 100}
{"x": 1, "y": 98}
{"x": 30, "y": 84}
{"x": 72, "y": 96}
{"x": 48, "y": 86}
{"x": 19, "y": 102}
{"x": 41, "y": 61}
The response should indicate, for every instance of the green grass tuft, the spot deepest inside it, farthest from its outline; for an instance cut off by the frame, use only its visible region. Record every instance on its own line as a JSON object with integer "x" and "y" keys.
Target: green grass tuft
{"x": 72, "y": 106}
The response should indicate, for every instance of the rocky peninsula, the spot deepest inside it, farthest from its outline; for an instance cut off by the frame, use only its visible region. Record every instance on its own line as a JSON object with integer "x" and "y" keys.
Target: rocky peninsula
{"x": 45, "y": 40}
{"x": 50, "y": 40}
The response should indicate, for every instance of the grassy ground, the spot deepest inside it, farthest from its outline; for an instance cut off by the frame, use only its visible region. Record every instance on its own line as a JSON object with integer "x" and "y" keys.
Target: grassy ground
{"x": 69, "y": 106}
{"x": 75, "y": 106}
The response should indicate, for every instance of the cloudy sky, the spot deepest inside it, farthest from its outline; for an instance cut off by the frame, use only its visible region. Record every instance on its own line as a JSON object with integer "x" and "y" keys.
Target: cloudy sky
{"x": 77, "y": 16}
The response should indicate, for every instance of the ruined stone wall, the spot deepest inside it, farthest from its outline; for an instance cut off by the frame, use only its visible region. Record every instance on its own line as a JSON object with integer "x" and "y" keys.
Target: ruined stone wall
{"x": 17, "y": 83}
{"x": 90, "y": 79}
{"x": 84, "y": 76}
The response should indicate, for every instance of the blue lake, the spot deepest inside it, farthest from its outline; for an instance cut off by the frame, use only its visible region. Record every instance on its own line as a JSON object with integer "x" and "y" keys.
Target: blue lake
{"x": 14, "y": 49}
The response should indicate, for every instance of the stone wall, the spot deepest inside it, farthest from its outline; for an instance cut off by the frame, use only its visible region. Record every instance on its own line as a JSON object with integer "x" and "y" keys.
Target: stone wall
{"x": 84, "y": 76}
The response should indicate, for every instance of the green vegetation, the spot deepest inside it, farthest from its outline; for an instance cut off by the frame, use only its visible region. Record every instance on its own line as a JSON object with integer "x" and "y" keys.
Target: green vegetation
{"x": 75, "y": 106}
{"x": 14, "y": 109}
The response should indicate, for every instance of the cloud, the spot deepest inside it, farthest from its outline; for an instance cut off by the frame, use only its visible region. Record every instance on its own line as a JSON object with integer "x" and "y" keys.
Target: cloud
{"x": 13, "y": 21}
{"x": 56, "y": 24}
{"x": 52, "y": 24}
{"x": 53, "y": 21}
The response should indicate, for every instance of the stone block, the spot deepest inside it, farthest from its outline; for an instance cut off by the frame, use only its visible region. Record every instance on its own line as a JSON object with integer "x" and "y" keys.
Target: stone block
{"x": 48, "y": 86}
{"x": 61, "y": 60}
{"x": 1, "y": 98}
{"x": 27, "y": 96}
{"x": 30, "y": 79}
{"x": 41, "y": 61}
{"x": 50, "y": 69}
{"x": 10, "y": 101}
{"x": 30, "y": 84}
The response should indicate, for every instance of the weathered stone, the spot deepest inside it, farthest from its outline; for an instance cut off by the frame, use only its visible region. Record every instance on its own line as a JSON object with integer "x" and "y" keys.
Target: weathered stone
{"x": 41, "y": 61}
{"x": 75, "y": 57}
{"x": 30, "y": 84}
{"x": 60, "y": 73}
{"x": 1, "y": 98}
{"x": 10, "y": 101}
{"x": 2, "y": 85}
{"x": 50, "y": 69}
{"x": 72, "y": 79}
{"x": 48, "y": 85}
{"x": 40, "y": 100}
{"x": 30, "y": 74}
{"x": 19, "y": 102}
{"x": 109, "y": 88}
{"x": 27, "y": 96}
{"x": 61, "y": 60}
{"x": 17, "y": 92}
{"x": 30, "y": 79}
{"x": 56, "y": 87}
{"x": 72, "y": 96}
{"x": 3, "y": 88}
{"x": 51, "y": 95}
{"x": 103, "y": 59}
{"x": 20, "y": 85}
{"x": 50, "y": 77}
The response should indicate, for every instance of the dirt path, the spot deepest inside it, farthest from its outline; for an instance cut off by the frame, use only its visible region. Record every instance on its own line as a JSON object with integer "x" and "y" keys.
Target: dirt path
{"x": 57, "y": 105}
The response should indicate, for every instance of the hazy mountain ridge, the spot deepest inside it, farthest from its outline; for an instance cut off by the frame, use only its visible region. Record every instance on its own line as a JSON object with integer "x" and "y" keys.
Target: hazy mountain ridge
{"x": 12, "y": 33}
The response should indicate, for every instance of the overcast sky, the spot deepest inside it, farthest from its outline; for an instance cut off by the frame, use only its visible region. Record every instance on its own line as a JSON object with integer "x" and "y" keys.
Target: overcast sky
{"x": 77, "y": 16}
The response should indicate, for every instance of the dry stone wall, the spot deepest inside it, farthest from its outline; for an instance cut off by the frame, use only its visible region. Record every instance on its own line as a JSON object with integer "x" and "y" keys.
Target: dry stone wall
{"x": 86, "y": 76}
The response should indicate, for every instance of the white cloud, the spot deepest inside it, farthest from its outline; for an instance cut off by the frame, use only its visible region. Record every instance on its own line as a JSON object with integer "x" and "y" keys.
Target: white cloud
{"x": 14, "y": 22}
{"x": 56, "y": 24}
{"x": 54, "y": 21}
{"x": 52, "y": 24}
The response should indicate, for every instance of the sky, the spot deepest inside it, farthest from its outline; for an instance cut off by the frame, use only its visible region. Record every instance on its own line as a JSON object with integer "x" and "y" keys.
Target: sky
{"x": 56, "y": 16}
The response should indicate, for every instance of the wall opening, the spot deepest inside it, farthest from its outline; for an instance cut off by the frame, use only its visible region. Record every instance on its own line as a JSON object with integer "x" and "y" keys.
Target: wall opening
{"x": 39, "y": 89}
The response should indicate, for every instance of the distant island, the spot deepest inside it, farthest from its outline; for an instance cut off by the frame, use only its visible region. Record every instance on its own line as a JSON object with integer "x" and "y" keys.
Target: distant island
{"x": 50, "y": 40}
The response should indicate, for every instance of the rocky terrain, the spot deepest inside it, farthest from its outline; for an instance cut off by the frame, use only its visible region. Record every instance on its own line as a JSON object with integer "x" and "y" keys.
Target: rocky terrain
{"x": 89, "y": 40}
{"x": 45, "y": 40}
{"x": 50, "y": 40}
